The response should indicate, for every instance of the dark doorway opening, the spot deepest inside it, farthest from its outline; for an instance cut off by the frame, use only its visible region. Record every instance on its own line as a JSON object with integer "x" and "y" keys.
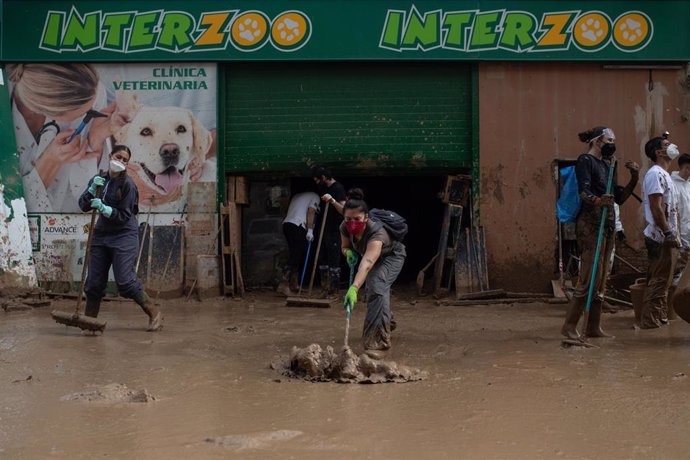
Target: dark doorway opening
{"x": 416, "y": 198}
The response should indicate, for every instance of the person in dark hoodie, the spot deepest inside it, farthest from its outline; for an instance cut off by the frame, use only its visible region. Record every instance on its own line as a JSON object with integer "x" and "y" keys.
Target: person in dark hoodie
{"x": 115, "y": 238}
{"x": 592, "y": 170}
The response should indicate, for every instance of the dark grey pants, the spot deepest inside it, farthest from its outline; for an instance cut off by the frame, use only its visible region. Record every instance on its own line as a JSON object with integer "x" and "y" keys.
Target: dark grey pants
{"x": 377, "y": 324}
{"x": 119, "y": 250}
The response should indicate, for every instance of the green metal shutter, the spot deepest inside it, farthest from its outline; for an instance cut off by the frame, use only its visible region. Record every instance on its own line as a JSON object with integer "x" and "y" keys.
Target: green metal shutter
{"x": 353, "y": 116}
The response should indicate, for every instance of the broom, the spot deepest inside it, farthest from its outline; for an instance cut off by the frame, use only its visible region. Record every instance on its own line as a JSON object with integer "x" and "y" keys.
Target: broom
{"x": 77, "y": 319}
{"x": 307, "y": 301}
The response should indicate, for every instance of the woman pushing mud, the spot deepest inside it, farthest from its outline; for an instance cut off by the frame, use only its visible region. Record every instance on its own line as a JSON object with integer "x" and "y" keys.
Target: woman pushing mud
{"x": 115, "y": 237}
{"x": 382, "y": 260}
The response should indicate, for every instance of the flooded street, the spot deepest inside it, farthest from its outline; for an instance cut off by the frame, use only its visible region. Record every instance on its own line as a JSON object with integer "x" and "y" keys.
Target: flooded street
{"x": 499, "y": 386}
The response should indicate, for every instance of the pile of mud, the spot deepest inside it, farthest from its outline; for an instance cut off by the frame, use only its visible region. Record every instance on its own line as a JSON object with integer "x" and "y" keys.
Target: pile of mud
{"x": 316, "y": 364}
{"x": 112, "y": 393}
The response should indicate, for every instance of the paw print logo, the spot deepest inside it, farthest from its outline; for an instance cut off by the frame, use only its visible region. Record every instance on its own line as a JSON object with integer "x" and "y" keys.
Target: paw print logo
{"x": 592, "y": 31}
{"x": 290, "y": 30}
{"x": 632, "y": 31}
{"x": 250, "y": 31}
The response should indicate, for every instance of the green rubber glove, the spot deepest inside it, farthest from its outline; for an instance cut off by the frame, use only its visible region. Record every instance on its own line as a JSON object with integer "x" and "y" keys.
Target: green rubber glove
{"x": 101, "y": 207}
{"x": 350, "y": 299}
{"x": 98, "y": 181}
{"x": 352, "y": 257}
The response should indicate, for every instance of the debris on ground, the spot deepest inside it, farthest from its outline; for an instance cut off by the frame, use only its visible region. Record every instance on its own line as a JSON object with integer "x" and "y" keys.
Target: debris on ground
{"x": 111, "y": 393}
{"x": 21, "y": 299}
{"x": 316, "y": 364}
{"x": 570, "y": 343}
{"x": 254, "y": 440}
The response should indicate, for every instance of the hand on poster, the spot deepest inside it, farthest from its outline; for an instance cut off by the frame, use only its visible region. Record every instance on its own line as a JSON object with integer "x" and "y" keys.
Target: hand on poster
{"x": 103, "y": 127}
{"x": 58, "y": 153}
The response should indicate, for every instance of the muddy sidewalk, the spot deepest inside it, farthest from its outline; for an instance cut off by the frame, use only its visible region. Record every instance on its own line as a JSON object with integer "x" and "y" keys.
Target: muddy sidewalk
{"x": 499, "y": 386}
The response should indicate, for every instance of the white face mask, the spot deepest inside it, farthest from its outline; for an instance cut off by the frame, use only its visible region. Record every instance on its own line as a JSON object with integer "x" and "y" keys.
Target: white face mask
{"x": 672, "y": 151}
{"x": 117, "y": 166}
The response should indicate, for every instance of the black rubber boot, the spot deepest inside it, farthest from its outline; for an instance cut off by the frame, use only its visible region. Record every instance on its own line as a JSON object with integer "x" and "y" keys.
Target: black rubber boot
{"x": 294, "y": 281}
{"x": 594, "y": 322}
{"x": 93, "y": 306}
{"x": 575, "y": 309}
{"x": 325, "y": 275}
{"x": 154, "y": 314}
{"x": 334, "y": 286}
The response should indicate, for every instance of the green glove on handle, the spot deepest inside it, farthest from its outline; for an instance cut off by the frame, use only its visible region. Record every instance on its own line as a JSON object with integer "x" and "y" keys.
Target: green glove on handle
{"x": 350, "y": 300}
{"x": 98, "y": 181}
{"x": 101, "y": 207}
{"x": 352, "y": 258}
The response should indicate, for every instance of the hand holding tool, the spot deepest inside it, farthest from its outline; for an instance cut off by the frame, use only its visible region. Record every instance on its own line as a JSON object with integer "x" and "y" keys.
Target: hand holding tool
{"x": 350, "y": 299}
{"x": 101, "y": 207}
{"x": 670, "y": 240}
{"x": 352, "y": 258}
{"x": 98, "y": 181}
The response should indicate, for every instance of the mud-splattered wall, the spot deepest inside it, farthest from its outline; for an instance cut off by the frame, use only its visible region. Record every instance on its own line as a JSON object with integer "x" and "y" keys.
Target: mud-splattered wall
{"x": 529, "y": 116}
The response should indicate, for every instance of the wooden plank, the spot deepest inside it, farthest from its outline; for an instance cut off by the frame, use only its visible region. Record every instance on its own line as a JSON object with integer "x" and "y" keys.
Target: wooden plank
{"x": 494, "y": 294}
{"x": 483, "y": 258}
{"x": 442, "y": 247}
{"x": 535, "y": 295}
{"x": 462, "y": 268}
{"x": 463, "y": 303}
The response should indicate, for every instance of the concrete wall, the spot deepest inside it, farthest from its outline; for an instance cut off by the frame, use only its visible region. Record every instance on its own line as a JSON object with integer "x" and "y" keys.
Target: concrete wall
{"x": 529, "y": 116}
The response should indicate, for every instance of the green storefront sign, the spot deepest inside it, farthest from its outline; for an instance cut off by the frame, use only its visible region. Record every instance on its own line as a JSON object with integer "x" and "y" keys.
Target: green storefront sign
{"x": 344, "y": 29}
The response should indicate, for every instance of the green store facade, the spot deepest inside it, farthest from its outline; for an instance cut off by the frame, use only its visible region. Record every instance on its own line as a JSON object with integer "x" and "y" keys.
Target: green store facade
{"x": 393, "y": 96}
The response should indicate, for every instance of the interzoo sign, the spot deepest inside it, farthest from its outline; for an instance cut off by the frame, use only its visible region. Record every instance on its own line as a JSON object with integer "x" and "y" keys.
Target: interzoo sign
{"x": 227, "y": 30}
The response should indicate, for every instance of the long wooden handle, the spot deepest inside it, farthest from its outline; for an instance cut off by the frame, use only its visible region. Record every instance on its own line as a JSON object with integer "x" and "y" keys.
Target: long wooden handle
{"x": 94, "y": 213}
{"x": 318, "y": 249}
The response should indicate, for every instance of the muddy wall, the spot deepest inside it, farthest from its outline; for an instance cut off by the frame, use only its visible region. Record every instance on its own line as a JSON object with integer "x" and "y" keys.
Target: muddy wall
{"x": 529, "y": 116}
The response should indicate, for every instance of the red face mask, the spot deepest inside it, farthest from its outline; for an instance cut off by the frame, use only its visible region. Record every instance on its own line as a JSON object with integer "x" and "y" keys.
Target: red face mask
{"x": 355, "y": 227}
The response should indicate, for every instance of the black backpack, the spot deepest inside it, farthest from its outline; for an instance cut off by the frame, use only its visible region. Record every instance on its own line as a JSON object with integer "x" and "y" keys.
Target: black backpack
{"x": 394, "y": 223}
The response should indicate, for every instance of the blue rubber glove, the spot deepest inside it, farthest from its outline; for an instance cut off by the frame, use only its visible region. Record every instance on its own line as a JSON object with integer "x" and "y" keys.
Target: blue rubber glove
{"x": 352, "y": 258}
{"x": 350, "y": 299}
{"x": 101, "y": 207}
{"x": 98, "y": 181}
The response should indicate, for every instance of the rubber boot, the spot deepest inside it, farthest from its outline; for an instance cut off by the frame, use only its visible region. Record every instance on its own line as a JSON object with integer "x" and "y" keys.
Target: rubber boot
{"x": 93, "y": 306}
{"x": 334, "y": 286}
{"x": 594, "y": 322}
{"x": 154, "y": 314}
{"x": 294, "y": 281}
{"x": 325, "y": 275}
{"x": 575, "y": 309}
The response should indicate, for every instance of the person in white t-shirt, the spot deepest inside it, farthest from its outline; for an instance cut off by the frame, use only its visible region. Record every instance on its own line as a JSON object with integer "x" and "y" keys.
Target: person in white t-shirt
{"x": 661, "y": 232}
{"x": 298, "y": 228}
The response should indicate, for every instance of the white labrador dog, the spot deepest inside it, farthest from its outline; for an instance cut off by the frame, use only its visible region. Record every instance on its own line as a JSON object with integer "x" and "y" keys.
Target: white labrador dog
{"x": 166, "y": 143}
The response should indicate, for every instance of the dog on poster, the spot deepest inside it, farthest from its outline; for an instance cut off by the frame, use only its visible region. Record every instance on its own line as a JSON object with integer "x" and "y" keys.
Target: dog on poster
{"x": 170, "y": 148}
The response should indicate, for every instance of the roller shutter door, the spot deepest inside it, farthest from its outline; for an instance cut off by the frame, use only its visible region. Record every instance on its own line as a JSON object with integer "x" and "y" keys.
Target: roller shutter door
{"x": 361, "y": 117}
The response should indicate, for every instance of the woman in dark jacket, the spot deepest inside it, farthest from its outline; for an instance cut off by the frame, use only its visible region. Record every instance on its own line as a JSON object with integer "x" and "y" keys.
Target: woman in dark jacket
{"x": 116, "y": 237}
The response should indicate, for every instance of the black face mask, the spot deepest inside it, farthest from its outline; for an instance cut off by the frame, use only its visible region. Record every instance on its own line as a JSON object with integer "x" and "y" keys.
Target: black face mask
{"x": 608, "y": 149}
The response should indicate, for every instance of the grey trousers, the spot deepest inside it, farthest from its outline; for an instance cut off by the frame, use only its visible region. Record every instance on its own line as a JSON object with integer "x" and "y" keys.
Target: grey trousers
{"x": 377, "y": 324}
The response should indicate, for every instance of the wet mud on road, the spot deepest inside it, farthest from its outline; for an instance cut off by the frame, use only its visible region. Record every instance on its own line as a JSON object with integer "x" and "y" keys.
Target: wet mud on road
{"x": 499, "y": 386}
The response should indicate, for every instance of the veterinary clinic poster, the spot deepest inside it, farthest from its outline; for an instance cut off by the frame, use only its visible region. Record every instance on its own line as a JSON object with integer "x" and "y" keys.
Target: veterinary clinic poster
{"x": 165, "y": 113}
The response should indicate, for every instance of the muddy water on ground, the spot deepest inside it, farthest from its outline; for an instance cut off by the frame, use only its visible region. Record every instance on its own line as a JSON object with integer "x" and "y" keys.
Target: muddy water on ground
{"x": 499, "y": 386}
